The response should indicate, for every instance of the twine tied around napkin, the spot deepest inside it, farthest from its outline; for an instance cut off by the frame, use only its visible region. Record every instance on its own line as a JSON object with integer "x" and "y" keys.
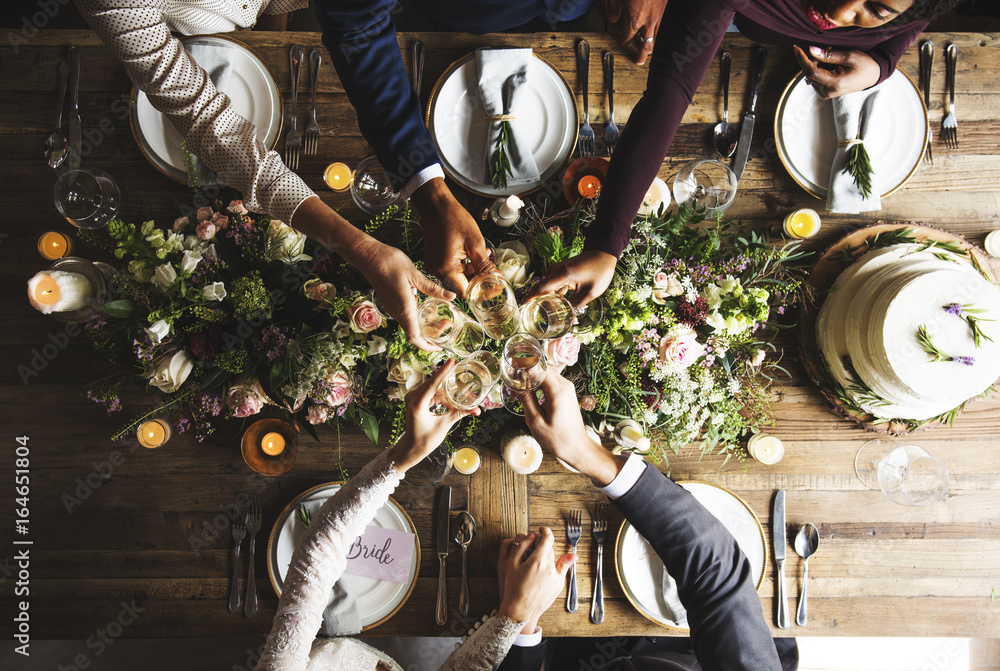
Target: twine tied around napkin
{"x": 502, "y": 74}
{"x": 843, "y": 194}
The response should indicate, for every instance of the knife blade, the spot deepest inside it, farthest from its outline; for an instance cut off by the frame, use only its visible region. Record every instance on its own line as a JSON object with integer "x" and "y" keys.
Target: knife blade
{"x": 779, "y": 547}
{"x": 443, "y": 541}
{"x": 746, "y": 128}
{"x": 926, "y": 61}
{"x": 75, "y": 139}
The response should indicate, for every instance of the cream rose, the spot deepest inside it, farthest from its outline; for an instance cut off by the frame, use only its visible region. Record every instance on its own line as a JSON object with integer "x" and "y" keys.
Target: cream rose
{"x": 758, "y": 358}
{"x": 365, "y": 317}
{"x": 562, "y": 352}
{"x": 588, "y": 403}
{"x": 512, "y": 260}
{"x": 340, "y": 389}
{"x": 665, "y": 285}
{"x": 204, "y": 213}
{"x": 236, "y": 207}
{"x": 169, "y": 372}
{"x": 285, "y": 243}
{"x": 246, "y": 397}
{"x": 317, "y": 414}
{"x": 206, "y": 230}
{"x": 180, "y": 223}
{"x": 680, "y": 351}
{"x": 406, "y": 373}
{"x": 318, "y": 290}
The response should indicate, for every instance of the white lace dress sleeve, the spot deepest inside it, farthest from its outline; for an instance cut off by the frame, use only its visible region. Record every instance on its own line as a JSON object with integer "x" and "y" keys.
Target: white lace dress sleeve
{"x": 486, "y": 647}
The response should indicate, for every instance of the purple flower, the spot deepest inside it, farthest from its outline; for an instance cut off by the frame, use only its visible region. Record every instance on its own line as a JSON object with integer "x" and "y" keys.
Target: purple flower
{"x": 967, "y": 360}
{"x": 954, "y": 309}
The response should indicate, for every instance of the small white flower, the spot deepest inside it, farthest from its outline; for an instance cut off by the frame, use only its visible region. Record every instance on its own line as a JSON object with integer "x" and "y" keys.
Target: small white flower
{"x": 758, "y": 358}
{"x": 285, "y": 243}
{"x": 215, "y": 291}
{"x": 164, "y": 275}
{"x": 376, "y": 345}
{"x": 158, "y": 331}
{"x": 190, "y": 261}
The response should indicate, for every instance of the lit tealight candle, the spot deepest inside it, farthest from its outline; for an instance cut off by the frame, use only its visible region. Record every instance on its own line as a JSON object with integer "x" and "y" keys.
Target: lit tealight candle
{"x": 154, "y": 433}
{"x": 589, "y": 186}
{"x": 58, "y": 291}
{"x": 55, "y": 245}
{"x": 507, "y": 211}
{"x": 993, "y": 244}
{"x": 338, "y": 176}
{"x": 629, "y": 435}
{"x": 272, "y": 444}
{"x": 802, "y": 224}
{"x": 657, "y": 195}
{"x": 765, "y": 448}
{"x": 523, "y": 454}
{"x": 467, "y": 460}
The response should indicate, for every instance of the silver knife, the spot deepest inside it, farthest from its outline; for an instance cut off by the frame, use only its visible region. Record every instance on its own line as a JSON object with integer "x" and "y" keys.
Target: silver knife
{"x": 444, "y": 514}
{"x": 75, "y": 141}
{"x": 926, "y": 61}
{"x": 778, "y": 541}
{"x": 746, "y": 128}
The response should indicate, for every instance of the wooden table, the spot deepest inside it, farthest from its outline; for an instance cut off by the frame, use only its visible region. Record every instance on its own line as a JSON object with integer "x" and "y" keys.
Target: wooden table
{"x": 113, "y": 527}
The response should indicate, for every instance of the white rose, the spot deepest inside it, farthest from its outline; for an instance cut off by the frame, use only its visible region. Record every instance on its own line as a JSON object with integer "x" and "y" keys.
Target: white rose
{"x": 716, "y": 321}
{"x": 285, "y": 243}
{"x": 215, "y": 291}
{"x": 512, "y": 261}
{"x": 164, "y": 275}
{"x": 376, "y": 345}
{"x": 406, "y": 373}
{"x": 713, "y": 296}
{"x": 190, "y": 261}
{"x": 169, "y": 372}
{"x": 158, "y": 331}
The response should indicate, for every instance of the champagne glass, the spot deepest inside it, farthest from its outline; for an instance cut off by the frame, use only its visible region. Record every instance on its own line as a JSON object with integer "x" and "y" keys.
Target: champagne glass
{"x": 443, "y": 324}
{"x": 87, "y": 198}
{"x": 906, "y": 474}
{"x": 370, "y": 187}
{"x": 469, "y": 383}
{"x": 707, "y": 183}
{"x": 588, "y": 317}
{"x": 492, "y": 300}
{"x": 547, "y": 316}
{"x": 430, "y": 470}
{"x": 522, "y": 368}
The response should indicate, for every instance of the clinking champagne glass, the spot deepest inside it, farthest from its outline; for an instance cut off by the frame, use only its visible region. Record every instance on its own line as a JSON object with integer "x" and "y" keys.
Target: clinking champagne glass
{"x": 588, "y": 317}
{"x": 547, "y": 316}
{"x": 469, "y": 383}
{"x": 491, "y": 299}
{"x": 443, "y": 324}
{"x": 522, "y": 368}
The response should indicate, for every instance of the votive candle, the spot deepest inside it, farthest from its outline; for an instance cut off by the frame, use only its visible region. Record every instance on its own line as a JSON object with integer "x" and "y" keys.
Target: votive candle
{"x": 338, "y": 176}
{"x": 992, "y": 244}
{"x": 272, "y": 444}
{"x": 589, "y": 186}
{"x": 58, "y": 291}
{"x": 766, "y": 449}
{"x": 508, "y": 211}
{"x": 658, "y": 194}
{"x": 523, "y": 454}
{"x": 154, "y": 433}
{"x": 467, "y": 460}
{"x": 803, "y": 223}
{"x": 54, "y": 245}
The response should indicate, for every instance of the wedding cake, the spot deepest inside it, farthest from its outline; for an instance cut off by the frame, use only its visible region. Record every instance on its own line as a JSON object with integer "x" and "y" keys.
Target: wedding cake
{"x": 911, "y": 332}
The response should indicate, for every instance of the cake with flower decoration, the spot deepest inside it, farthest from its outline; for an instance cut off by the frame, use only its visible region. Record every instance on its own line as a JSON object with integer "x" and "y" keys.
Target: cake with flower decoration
{"x": 911, "y": 332}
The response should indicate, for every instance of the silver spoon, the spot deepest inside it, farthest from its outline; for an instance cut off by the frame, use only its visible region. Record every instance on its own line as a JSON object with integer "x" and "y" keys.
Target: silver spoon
{"x": 463, "y": 528}
{"x": 724, "y": 137}
{"x": 806, "y": 544}
{"x": 56, "y": 145}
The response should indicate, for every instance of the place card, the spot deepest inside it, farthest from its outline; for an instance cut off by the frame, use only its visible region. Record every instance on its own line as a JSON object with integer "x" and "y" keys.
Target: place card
{"x": 383, "y": 554}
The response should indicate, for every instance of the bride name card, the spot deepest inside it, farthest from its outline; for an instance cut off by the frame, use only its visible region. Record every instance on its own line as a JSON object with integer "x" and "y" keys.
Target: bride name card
{"x": 383, "y": 554}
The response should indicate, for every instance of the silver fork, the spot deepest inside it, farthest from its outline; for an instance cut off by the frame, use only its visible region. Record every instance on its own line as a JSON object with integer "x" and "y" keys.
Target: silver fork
{"x": 585, "y": 140}
{"x": 253, "y": 526}
{"x": 293, "y": 141}
{"x": 600, "y": 532}
{"x": 312, "y": 129}
{"x": 949, "y": 127}
{"x": 574, "y": 527}
{"x": 239, "y": 531}
{"x": 611, "y": 133}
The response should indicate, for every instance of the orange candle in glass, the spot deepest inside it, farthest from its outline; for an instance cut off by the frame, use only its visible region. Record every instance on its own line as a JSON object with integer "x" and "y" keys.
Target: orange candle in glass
{"x": 54, "y": 245}
{"x": 338, "y": 176}
{"x": 154, "y": 433}
{"x": 589, "y": 186}
{"x": 272, "y": 444}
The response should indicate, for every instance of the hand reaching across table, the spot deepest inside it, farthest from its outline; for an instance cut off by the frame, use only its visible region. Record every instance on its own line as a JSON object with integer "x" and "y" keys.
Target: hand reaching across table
{"x": 582, "y": 278}
{"x": 640, "y": 22}
{"x": 530, "y": 576}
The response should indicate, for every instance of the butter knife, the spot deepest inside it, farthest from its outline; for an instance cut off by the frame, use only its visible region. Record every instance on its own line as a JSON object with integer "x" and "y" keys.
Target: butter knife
{"x": 75, "y": 140}
{"x": 926, "y": 60}
{"x": 746, "y": 128}
{"x": 444, "y": 514}
{"x": 778, "y": 545}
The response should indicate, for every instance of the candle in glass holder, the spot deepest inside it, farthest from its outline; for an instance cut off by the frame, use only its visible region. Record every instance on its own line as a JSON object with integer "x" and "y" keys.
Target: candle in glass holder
{"x": 523, "y": 454}
{"x": 55, "y": 245}
{"x": 154, "y": 433}
{"x": 58, "y": 291}
{"x": 467, "y": 460}
{"x": 658, "y": 194}
{"x": 272, "y": 444}
{"x": 589, "y": 186}
{"x": 802, "y": 223}
{"x": 766, "y": 449}
{"x": 338, "y": 176}
{"x": 506, "y": 211}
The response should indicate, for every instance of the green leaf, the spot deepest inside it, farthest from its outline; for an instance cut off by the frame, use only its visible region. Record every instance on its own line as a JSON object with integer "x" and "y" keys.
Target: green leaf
{"x": 214, "y": 379}
{"x": 277, "y": 372}
{"x": 369, "y": 423}
{"x": 120, "y": 308}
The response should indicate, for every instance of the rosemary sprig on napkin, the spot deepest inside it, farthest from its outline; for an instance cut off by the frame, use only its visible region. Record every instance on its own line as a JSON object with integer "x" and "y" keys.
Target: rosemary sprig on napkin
{"x": 859, "y": 166}
{"x": 501, "y": 162}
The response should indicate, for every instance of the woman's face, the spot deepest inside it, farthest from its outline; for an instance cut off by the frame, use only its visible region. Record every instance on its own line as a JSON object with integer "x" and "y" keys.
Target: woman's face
{"x": 827, "y": 14}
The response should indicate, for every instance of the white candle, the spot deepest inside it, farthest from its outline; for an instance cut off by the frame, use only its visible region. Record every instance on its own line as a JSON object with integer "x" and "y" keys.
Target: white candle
{"x": 658, "y": 194}
{"x": 523, "y": 454}
{"x": 467, "y": 460}
{"x": 993, "y": 244}
{"x": 508, "y": 211}
{"x": 803, "y": 223}
{"x": 58, "y": 291}
{"x": 766, "y": 449}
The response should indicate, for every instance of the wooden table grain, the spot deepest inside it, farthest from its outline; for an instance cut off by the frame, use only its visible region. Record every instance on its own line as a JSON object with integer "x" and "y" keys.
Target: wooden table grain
{"x": 127, "y": 534}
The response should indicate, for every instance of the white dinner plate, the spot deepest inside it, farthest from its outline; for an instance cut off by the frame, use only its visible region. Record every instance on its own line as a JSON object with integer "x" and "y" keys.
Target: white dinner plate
{"x": 546, "y": 121}
{"x": 252, "y": 92}
{"x": 640, "y": 570}
{"x": 807, "y": 138}
{"x": 378, "y": 600}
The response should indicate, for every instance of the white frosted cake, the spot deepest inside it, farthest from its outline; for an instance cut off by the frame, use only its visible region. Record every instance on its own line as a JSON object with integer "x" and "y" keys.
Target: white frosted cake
{"x": 867, "y": 332}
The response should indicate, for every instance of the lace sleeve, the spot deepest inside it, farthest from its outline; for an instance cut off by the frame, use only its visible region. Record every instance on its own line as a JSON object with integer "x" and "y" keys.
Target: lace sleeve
{"x": 486, "y": 647}
{"x": 319, "y": 561}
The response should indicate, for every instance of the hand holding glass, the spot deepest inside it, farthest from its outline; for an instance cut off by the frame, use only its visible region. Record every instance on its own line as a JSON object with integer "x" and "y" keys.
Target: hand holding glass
{"x": 443, "y": 324}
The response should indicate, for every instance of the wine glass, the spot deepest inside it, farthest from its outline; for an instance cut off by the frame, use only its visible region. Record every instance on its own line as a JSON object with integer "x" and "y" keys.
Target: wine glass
{"x": 547, "y": 316}
{"x": 906, "y": 474}
{"x": 470, "y": 382}
{"x": 371, "y": 188}
{"x": 443, "y": 324}
{"x": 707, "y": 183}
{"x": 522, "y": 368}
{"x": 87, "y": 198}
{"x": 431, "y": 469}
{"x": 491, "y": 299}
{"x": 589, "y": 316}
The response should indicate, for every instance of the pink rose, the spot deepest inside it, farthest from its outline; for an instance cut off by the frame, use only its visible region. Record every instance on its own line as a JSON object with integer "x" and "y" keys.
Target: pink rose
{"x": 180, "y": 223}
{"x": 205, "y": 213}
{"x": 340, "y": 390}
{"x": 665, "y": 285}
{"x": 317, "y": 414}
{"x": 562, "y": 352}
{"x": 365, "y": 317}
{"x": 319, "y": 290}
{"x": 236, "y": 207}
{"x": 588, "y": 402}
{"x": 205, "y": 230}
{"x": 243, "y": 401}
{"x": 680, "y": 351}
{"x": 220, "y": 220}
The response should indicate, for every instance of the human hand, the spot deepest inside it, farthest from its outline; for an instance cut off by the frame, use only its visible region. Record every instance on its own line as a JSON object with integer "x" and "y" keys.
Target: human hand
{"x": 584, "y": 277}
{"x": 451, "y": 236}
{"x": 640, "y": 21}
{"x": 852, "y": 70}
{"x": 530, "y": 576}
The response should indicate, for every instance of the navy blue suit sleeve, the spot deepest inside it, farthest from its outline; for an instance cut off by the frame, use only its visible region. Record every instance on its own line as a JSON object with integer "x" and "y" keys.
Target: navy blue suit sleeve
{"x": 713, "y": 575}
{"x": 524, "y": 658}
{"x": 361, "y": 39}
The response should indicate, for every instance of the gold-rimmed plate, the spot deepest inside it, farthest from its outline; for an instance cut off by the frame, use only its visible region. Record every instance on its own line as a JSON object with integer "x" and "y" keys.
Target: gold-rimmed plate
{"x": 546, "y": 120}
{"x": 378, "y": 600}
{"x": 252, "y": 92}
{"x": 807, "y": 138}
{"x": 640, "y": 570}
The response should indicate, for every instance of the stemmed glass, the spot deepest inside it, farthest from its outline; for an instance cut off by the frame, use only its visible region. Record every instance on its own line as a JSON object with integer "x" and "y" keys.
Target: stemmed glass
{"x": 370, "y": 187}
{"x": 707, "y": 183}
{"x": 547, "y": 316}
{"x": 522, "y": 368}
{"x": 87, "y": 198}
{"x": 492, "y": 301}
{"x": 906, "y": 474}
{"x": 443, "y": 324}
{"x": 588, "y": 317}
{"x": 469, "y": 383}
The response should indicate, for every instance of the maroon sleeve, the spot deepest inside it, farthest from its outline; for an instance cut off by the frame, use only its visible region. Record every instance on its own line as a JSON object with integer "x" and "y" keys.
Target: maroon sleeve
{"x": 689, "y": 36}
{"x": 888, "y": 53}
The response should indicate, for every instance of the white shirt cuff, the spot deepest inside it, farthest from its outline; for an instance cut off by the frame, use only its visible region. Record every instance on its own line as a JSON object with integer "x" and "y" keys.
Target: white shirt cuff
{"x": 529, "y": 640}
{"x": 626, "y": 478}
{"x": 421, "y": 178}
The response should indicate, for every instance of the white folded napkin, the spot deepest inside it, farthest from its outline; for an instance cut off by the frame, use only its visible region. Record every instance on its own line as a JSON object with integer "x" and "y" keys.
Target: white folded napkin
{"x": 671, "y": 600}
{"x": 843, "y": 195}
{"x": 215, "y": 60}
{"x": 501, "y": 75}
{"x": 340, "y": 618}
